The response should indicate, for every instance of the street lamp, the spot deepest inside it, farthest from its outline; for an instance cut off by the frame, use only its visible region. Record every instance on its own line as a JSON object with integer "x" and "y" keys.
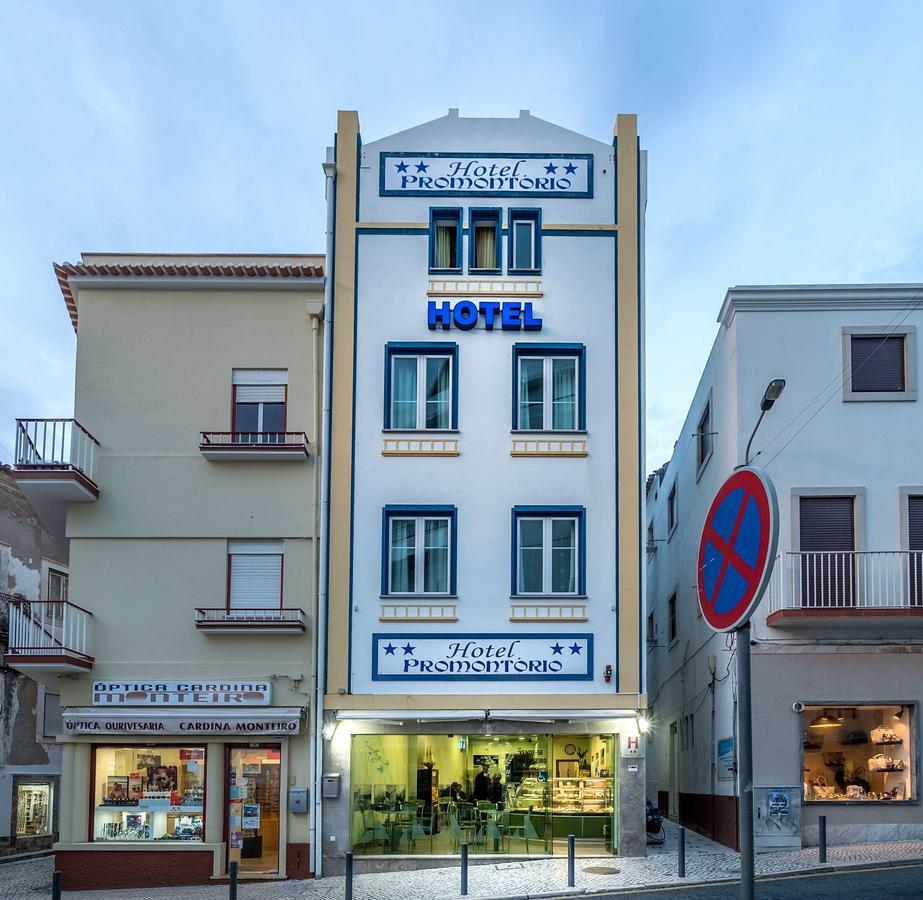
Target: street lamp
{"x": 770, "y": 395}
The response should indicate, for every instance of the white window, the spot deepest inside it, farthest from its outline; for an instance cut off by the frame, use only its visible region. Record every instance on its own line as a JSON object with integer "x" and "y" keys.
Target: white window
{"x": 421, "y": 392}
{"x": 548, "y": 393}
{"x": 418, "y": 554}
{"x": 547, "y": 555}
{"x": 57, "y": 585}
{"x": 254, "y": 574}
{"x": 260, "y": 397}
{"x": 879, "y": 364}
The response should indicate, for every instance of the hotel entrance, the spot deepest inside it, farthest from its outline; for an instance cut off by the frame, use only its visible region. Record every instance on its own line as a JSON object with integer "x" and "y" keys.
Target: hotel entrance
{"x": 516, "y": 794}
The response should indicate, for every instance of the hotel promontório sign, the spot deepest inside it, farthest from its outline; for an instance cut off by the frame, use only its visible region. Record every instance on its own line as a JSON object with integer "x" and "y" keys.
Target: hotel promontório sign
{"x": 482, "y": 657}
{"x": 502, "y": 174}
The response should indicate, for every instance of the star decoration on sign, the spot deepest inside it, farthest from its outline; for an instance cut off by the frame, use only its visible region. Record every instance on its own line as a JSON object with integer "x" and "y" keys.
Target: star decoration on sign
{"x": 575, "y": 648}
{"x": 401, "y": 167}
{"x": 408, "y": 649}
{"x": 422, "y": 166}
{"x": 557, "y": 648}
{"x": 570, "y": 168}
{"x": 551, "y": 168}
{"x": 389, "y": 649}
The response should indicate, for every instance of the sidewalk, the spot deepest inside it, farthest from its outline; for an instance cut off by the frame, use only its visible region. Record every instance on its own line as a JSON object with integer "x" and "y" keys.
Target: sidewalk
{"x": 706, "y": 861}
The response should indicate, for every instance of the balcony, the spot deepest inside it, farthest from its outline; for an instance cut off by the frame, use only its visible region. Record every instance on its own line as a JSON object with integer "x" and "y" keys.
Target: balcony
{"x": 878, "y": 592}
{"x": 47, "y": 636}
{"x": 246, "y": 445}
{"x": 247, "y": 621}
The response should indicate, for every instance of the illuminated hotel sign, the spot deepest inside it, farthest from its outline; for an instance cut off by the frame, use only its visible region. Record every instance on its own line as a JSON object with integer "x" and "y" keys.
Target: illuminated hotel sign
{"x": 482, "y": 657}
{"x": 501, "y": 174}
{"x": 465, "y": 314}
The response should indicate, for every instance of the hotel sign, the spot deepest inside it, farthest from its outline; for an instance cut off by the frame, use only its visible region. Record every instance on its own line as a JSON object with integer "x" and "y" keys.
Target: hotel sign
{"x": 482, "y": 657}
{"x": 500, "y": 174}
{"x": 182, "y": 693}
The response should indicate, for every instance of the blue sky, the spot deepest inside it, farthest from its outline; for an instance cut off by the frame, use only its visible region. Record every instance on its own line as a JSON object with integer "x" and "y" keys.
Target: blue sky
{"x": 784, "y": 142}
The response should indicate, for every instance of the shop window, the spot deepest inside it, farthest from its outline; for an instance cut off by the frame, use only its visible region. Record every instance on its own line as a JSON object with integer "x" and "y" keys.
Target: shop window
{"x": 33, "y": 810}
{"x": 260, "y": 397}
{"x": 549, "y": 556}
{"x": 421, "y": 386}
{"x": 254, "y": 797}
{"x": 148, "y": 793}
{"x": 484, "y": 247}
{"x": 445, "y": 240}
{"x": 879, "y": 365}
{"x": 525, "y": 237}
{"x": 418, "y": 550}
{"x": 57, "y": 584}
{"x": 861, "y": 753}
{"x": 548, "y": 387}
{"x": 255, "y": 574}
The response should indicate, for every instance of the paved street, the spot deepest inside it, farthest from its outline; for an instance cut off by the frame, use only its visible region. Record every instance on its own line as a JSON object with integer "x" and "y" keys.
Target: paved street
{"x": 891, "y": 882}
{"x": 706, "y": 862}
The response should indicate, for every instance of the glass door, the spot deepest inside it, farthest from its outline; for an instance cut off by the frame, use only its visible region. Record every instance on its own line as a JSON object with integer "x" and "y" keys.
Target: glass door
{"x": 254, "y": 803}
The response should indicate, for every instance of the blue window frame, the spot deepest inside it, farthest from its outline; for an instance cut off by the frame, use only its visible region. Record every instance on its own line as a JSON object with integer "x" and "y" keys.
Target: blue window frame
{"x": 421, "y": 386}
{"x": 548, "y": 551}
{"x": 419, "y": 550}
{"x": 549, "y": 387}
{"x": 445, "y": 240}
{"x": 524, "y": 254}
{"x": 485, "y": 248}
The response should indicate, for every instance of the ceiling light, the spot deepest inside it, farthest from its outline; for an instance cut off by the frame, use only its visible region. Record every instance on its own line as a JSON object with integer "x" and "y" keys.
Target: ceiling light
{"x": 825, "y": 721}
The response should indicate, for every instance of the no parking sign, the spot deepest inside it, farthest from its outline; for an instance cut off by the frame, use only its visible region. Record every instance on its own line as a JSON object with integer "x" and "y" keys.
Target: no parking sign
{"x": 737, "y": 548}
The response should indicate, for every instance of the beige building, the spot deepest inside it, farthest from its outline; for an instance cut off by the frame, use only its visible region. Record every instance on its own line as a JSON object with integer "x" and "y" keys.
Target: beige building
{"x": 188, "y": 487}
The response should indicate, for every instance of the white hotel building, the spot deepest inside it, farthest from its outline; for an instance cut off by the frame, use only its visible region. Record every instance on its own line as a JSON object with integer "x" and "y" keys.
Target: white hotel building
{"x": 482, "y": 673}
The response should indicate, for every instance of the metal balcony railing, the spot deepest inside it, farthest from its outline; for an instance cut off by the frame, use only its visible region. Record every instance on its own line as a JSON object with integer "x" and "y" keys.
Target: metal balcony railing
{"x": 49, "y": 629}
{"x": 258, "y": 618}
{"x": 55, "y": 444}
{"x": 244, "y": 439}
{"x": 853, "y": 579}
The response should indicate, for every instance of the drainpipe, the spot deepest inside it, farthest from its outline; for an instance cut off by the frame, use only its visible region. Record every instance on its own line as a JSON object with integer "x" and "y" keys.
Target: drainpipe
{"x": 320, "y": 624}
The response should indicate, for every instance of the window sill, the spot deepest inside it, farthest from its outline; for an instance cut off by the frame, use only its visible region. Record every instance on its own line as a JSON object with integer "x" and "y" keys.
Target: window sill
{"x": 523, "y": 598}
{"x": 417, "y": 609}
{"x": 523, "y": 271}
{"x": 485, "y": 271}
{"x": 445, "y": 271}
{"x": 418, "y": 598}
{"x": 549, "y": 446}
{"x": 423, "y": 445}
{"x": 672, "y": 531}
{"x": 429, "y": 431}
{"x": 879, "y": 397}
{"x": 673, "y": 643}
{"x": 551, "y": 432}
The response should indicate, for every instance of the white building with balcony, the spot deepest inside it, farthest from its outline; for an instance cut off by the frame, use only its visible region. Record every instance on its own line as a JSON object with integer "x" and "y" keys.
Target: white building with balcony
{"x": 838, "y": 638}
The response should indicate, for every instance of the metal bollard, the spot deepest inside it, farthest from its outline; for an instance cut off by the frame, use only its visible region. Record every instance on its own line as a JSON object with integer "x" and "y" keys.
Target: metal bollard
{"x": 822, "y": 837}
{"x": 682, "y": 852}
{"x": 349, "y": 875}
{"x": 55, "y": 886}
{"x": 570, "y": 860}
{"x": 464, "y": 870}
{"x": 232, "y": 881}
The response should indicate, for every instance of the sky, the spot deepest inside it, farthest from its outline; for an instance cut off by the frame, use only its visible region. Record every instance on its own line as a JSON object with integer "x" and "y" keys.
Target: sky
{"x": 784, "y": 142}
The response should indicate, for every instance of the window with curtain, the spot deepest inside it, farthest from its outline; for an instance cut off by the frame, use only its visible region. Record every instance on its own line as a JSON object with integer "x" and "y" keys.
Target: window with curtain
{"x": 421, "y": 390}
{"x": 548, "y": 390}
{"x": 419, "y": 552}
{"x": 445, "y": 239}
{"x": 484, "y": 240}
{"x": 525, "y": 240}
{"x": 548, "y": 553}
{"x": 254, "y": 574}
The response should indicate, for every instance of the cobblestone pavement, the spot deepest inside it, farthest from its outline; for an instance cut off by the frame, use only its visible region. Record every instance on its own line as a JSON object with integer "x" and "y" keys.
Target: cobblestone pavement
{"x": 705, "y": 861}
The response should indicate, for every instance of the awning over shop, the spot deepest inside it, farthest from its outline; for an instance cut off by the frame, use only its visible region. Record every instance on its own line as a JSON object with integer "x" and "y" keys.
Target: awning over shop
{"x": 194, "y": 723}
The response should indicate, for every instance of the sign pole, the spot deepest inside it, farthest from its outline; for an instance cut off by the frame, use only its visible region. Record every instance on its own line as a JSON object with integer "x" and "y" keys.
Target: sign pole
{"x": 745, "y": 762}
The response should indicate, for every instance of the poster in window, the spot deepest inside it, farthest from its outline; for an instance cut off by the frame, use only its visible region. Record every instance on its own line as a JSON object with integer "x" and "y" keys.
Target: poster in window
{"x": 161, "y": 778}
{"x": 135, "y": 786}
{"x": 117, "y": 789}
{"x": 236, "y": 839}
{"x": 251, "y": 815}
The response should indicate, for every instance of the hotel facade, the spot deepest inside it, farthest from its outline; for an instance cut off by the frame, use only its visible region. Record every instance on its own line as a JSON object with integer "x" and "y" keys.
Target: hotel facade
{"x": 481, "y": 678}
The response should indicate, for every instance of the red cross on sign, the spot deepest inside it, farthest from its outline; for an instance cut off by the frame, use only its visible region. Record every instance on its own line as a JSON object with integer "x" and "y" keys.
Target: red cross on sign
{"x": 737, "y": 548}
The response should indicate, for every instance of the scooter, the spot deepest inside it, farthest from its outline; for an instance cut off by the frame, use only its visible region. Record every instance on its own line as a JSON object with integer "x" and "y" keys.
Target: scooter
{"x": 654, "y": 826}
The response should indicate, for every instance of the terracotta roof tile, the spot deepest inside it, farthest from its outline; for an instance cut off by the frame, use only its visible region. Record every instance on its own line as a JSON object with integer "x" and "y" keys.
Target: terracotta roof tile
{"x": 64, "y": 272}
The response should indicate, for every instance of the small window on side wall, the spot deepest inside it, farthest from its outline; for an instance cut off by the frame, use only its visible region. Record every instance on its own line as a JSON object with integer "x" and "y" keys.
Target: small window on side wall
{"x": 703, "y": 439}
{"x": 879, "y": 364}
{"x": 445, "y": 240}
{"x": 672, "y": 632}
{"x": 525, "y": 237}
{"x": 672, "y": 511}
{"x": 484, "y": 247}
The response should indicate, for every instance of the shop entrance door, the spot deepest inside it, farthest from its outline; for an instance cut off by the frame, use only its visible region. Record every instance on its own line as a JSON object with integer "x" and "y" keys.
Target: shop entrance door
{"x": 254, "y": 804}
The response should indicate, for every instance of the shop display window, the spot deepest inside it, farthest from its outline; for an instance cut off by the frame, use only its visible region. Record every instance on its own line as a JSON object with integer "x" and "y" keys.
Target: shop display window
{"x": 33, "y": 810}
{"x": 149, "y": 793}
{"x": 509, "y": 794}
{"x": 863, "y": 753}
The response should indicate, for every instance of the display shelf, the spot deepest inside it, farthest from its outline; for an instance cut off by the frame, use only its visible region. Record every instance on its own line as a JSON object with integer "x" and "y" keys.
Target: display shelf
{"x": 172, "y": 810}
